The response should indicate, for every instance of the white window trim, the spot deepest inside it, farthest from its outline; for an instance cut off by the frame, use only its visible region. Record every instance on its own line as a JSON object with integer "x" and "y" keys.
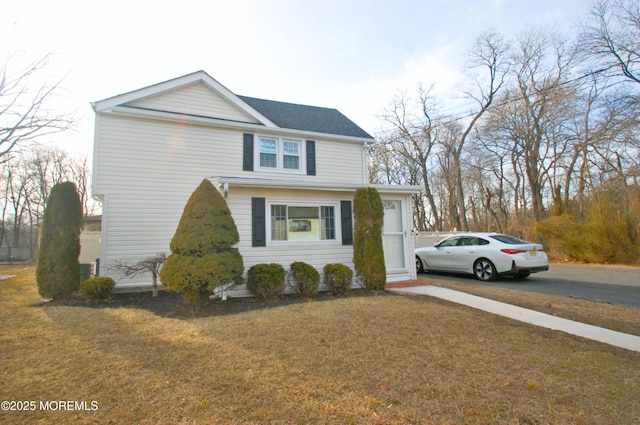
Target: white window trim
{"x": 280, "y": 155}
{"x": 408, "y": 256}
{"x": 296, "y": 203}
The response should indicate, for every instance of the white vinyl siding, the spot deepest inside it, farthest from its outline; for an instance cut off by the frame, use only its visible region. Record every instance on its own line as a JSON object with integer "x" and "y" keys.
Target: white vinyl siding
{"x": 343, "y": 162}
{"x": 195, "y": 99}
{"x": 136, "y": 154}
{"x": 145, "y": 169}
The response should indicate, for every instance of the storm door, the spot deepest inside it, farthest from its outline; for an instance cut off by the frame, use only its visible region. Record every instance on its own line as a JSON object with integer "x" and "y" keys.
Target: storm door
{"x": 393, "y": 235}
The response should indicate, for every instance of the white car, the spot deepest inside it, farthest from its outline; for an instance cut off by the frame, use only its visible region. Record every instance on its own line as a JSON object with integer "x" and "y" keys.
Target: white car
{"x": 485, "y": 255}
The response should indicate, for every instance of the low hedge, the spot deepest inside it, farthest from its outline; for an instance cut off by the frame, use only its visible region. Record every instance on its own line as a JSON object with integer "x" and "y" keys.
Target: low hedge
{"x": 338, "y": 278}
{"x": 98, "y": 288}
{"x": 266, "y": 280}
{"x": 303, "y": 278}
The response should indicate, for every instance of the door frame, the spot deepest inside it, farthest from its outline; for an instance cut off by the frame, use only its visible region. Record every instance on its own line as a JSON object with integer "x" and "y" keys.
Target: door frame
{"x": 407, "y": 272}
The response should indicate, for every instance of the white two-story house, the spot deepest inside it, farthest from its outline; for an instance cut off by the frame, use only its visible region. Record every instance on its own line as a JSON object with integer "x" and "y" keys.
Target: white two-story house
{"x": 288, "y": 173}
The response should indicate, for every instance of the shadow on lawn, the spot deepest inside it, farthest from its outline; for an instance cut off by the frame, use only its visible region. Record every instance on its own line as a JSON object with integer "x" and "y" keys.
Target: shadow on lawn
{"x": 171, "y": 305}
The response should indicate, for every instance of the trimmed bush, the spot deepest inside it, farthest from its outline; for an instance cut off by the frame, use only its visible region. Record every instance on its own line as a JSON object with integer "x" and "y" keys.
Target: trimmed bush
{"x": 203, "y": 254}
{"x": 98, "y": 288}
{"x": 368, "y": 251}
{"x": 190, "y": 275}
{"x": 58, "y": 269}
{"x": 304, "y": 279}
{"x": 266, "y": 280}
{"x": 338, "y": 278}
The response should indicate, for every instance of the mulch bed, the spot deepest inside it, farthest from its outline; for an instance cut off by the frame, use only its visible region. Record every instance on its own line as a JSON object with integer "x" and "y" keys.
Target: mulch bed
{"x": 171, "y": 305}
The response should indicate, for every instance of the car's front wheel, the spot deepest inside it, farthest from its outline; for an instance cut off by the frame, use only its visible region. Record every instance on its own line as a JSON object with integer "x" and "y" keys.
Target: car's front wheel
{"x": 484, "y": 270}
{"x": 419, "y": 266}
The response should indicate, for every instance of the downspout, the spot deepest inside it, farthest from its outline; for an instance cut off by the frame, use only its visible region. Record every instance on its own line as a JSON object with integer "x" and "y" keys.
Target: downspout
{"x": 365, "y": 161}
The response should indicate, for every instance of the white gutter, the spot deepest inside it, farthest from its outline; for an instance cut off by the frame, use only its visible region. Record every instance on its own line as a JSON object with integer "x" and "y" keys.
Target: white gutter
{"x": 238, "y": 125}
{"x": 224, "y": 183}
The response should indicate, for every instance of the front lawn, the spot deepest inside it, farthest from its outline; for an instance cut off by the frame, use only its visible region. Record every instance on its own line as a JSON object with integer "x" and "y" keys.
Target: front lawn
{"x": 385, "y": 359}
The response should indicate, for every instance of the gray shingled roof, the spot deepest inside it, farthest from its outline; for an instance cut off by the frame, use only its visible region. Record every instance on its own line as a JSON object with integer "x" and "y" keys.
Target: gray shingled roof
{"x": 306, "y": 118}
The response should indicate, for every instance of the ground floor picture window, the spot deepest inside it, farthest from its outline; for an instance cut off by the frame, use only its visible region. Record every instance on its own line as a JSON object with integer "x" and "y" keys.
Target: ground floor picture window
{"x": 302, "y": 223}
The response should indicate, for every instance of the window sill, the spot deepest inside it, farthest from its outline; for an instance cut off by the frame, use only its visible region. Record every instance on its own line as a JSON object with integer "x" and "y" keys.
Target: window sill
{"x": 279, "y": 171}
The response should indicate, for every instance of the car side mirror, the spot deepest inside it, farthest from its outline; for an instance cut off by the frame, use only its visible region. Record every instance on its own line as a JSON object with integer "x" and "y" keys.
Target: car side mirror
{"x": 437, "y": 244}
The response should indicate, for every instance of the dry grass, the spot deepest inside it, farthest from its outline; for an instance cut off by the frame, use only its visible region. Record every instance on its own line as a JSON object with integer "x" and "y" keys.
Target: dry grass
{"x": 385, "y": 359}
{"x": 616, "y": 317}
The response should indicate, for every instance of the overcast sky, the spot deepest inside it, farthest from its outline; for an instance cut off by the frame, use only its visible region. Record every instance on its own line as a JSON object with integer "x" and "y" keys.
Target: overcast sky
{"x": 352, "y": 55}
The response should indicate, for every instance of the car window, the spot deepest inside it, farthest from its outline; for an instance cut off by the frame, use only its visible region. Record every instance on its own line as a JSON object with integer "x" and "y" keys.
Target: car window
{"x": 511, "y": 240}
{"x": 449, "y": 242}
{"x": 473, "y": 241}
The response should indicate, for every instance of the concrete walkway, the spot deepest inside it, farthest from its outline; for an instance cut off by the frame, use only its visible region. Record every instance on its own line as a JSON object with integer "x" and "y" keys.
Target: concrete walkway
{"x": 619, "y": 339}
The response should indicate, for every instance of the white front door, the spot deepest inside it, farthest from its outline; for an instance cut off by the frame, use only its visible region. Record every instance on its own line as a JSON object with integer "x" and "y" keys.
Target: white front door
{"x": 393, "y": 235}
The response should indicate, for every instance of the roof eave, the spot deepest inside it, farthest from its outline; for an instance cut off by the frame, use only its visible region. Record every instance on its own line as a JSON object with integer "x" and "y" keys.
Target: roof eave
{"x": 217, "y": 122}
{"x": 199, "y": 76}
{"x": 312, "y": 185}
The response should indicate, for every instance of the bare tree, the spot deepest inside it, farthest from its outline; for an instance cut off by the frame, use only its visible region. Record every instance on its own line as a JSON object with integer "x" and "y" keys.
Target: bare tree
{"x": 25, "y": 110}
{"x": 539, "y": 138}
{"x": 611, "y": 37}
{"x": 25, "y": 183}
{"x": 447, "y": 174}
{"x": 4, "y": 200}
{"x": 490, "y": 56}
{"x": 80, "y": 173}
{"x": 146, "y": 265}
{"x": 413, "y": 138}
{"x": 532, "y": 115}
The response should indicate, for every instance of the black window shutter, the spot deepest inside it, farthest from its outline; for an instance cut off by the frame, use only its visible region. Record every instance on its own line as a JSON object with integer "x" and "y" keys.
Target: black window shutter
{"x": 347, "y": 222}
{"x": 258, "y": 222}
{"x": 311, "y": 158}
{"x": 247, "y": 152}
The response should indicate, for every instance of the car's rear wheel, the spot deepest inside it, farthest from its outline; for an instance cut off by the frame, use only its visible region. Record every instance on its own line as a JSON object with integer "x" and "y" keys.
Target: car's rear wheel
{"x": 419, "y": 266}
{"x": 484, "y": 270}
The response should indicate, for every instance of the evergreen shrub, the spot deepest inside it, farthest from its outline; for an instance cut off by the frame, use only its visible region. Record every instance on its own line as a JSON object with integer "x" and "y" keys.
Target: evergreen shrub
{"x": 368, "y": 251}
{"x": 203, "y": 255}
{"x": 266, "y": 280}
{"x": 303, "y": 278}
{"x": 58, "y": 269}
{"x": 338, "y": 278}
{"x": 98, "y": 288}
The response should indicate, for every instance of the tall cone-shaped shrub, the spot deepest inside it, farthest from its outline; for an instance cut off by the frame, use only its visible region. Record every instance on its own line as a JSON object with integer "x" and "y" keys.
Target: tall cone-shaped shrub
{"x": 203, "y": 256}
{"x": 368, "y": 253}
{"x": 58, "y": 269}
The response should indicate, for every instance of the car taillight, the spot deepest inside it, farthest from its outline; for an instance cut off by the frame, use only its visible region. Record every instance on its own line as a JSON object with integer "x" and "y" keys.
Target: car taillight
{"x": 512, "y": 251}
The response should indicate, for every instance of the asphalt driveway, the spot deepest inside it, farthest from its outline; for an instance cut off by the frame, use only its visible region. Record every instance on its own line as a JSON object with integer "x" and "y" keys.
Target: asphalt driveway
{"x": 618, "y": 285}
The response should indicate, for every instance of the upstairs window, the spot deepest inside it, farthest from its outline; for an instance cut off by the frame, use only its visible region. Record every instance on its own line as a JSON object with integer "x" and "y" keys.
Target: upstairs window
{"x": 268, "y": 153}
{"x": 291, "y": 155}
{"x": 279, "y": 154}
